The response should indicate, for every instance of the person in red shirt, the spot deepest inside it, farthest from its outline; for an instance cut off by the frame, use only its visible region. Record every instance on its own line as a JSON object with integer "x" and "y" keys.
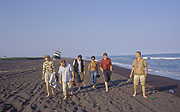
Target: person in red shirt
{"x": 106, "y": 68}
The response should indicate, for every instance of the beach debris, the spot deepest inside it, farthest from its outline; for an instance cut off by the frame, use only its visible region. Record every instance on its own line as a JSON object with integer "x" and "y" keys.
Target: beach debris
{"x": 4, "y": 57}
{"x": 153, "y": 98}
{"x": 110, "y": 83}
{"x": 172, "y": 91}
{"x": 153, "y": 92}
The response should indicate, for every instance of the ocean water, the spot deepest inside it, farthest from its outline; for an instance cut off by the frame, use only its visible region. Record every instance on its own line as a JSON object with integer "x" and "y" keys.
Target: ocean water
{"x": 166, "y": 65}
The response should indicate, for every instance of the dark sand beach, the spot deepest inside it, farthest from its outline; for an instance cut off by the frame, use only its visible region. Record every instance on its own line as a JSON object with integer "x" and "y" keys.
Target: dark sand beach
{"x": 21, "y": 89}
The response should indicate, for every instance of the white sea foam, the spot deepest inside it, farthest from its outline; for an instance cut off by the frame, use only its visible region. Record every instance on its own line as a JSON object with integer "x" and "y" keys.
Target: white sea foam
{"x": 166, "y": 74}
{"x": 163, "y": 58}
{"x": 153, "y": 72}
{"x": 90, "y": 59}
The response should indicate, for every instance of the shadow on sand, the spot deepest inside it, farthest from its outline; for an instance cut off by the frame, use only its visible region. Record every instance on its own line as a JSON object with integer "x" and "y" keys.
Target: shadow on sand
{"x": 101, "y": 86}
{"x": 167, "y": 88}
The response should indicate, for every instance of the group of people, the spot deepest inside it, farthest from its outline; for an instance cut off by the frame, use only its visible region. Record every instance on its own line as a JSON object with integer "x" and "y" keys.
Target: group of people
{"x": 73, "y": 75}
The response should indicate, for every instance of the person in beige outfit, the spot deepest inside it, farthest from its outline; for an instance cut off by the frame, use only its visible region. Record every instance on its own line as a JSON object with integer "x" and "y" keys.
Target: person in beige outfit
{"x": 140, "y": 75}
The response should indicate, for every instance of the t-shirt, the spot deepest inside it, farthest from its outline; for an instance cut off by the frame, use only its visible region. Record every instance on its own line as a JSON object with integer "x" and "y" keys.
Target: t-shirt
{"x": 139, "y": 66}
{"x": 66, "y": 72}
{"x": 105, "y": 64}
{"x": 79, "y": 64}
{"x": 93, "y": 66}
{"x": 48, "y": 67}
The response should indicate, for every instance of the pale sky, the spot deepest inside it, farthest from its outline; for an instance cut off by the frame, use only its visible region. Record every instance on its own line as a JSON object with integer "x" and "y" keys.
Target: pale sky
{"x": 89, "y": 27}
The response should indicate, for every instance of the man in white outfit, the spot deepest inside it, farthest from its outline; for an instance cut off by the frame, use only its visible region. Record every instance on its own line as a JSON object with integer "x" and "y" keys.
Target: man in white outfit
{"x": 66, "y": 76}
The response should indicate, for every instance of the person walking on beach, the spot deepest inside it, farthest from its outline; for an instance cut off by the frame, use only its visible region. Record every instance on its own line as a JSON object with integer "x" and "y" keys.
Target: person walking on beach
{"x": 79, "y": 70}
{"x": 93, "y": 69}
{"x": 48, "y": 70}
{"x": 66, "y": 76}
{"x": 139, "y": 64}
{"x": 106, "y": 68}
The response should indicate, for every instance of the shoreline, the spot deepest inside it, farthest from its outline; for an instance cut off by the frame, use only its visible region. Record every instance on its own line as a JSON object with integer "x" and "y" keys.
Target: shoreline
{"x": 151, "y": 73}
{"x": 159, "y": 83}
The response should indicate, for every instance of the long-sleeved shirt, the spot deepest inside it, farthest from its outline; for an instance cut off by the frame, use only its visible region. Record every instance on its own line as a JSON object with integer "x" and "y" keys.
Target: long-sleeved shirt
{"x": 48, "y": 67}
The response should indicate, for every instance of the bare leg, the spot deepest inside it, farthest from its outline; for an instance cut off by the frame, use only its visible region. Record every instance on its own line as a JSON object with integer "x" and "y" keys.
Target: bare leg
{"x": 52, "y": 89}
{"x": 135, "y": 90}
{"x": 79, "y": 86}
{"x": 106, "y": 85}
{"x": 47, "y": 89}
{"x": 144, "y": 91}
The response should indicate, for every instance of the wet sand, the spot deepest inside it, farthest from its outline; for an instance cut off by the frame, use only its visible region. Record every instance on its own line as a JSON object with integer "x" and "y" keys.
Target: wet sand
{"x": 21, "y": 89}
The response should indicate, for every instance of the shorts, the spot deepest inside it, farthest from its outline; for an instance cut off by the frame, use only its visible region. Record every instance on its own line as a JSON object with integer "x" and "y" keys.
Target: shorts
{"x": 47, "y": 77}
{"x": 107, "y": 75}
{"x": 140, "y": 78}
{"x": 79, "y": 77}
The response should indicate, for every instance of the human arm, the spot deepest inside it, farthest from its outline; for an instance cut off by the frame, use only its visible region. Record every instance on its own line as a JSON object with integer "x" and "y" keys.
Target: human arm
{"x": 146, "y": 69}
{"x": 73, "y": 76}
{"x": 60, "y": 78}
{"x": 54, "y": 76}
{"x": 60, "y": 75}
{"x": 110, "y": 65}
{"x": 97, "y": 68}
{"x": 132, "y": 71}
{"x": 72, "y": 71}
{"x": 53, "y": 70}
{"x": 44, "y": 70}
{"x": 111, "y": 68}
{"x": 101, "y": 65}
{"x": 89, "y": 66}
{"x": 84, "y": 72}
{"x": 101, "y": 69}
{"x": 74, "y": 63}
